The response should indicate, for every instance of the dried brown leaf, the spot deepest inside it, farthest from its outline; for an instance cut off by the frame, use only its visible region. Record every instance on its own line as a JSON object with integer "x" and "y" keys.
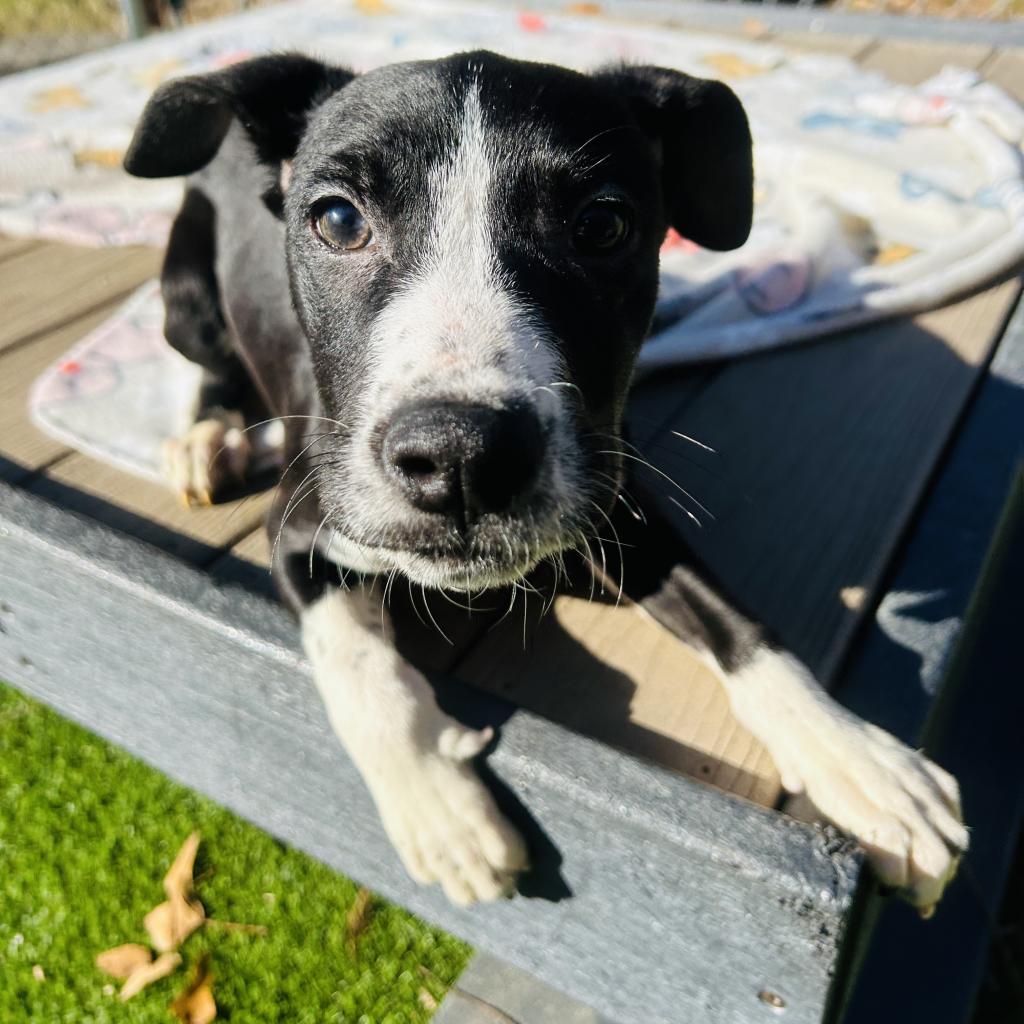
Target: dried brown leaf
{"x": 122, "y": 961}
{"x": 146, "y": 974}
{"x": 178, "y": 880}
{"x": 195, "y": 1003}
{"x": 358, "y": 917}
{"x": 170, "y": 923}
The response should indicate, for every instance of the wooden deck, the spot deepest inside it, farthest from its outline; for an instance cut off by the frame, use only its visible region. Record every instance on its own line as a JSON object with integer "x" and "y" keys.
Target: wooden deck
{"x": 855, "y": 425}
{"x": 846, "y": 422}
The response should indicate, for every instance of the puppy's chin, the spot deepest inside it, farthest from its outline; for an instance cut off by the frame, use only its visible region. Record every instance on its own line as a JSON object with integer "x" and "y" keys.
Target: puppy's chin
{"x": 463, "y": 575}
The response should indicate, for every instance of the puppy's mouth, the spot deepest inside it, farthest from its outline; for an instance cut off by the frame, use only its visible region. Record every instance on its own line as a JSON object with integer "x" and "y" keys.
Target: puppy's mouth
{"x": 466, "y": 567}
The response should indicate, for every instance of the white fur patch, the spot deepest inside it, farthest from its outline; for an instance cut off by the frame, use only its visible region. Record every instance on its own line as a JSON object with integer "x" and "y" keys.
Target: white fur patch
{"x": 455, "y": 330}
{"x": 439, "y": 816}
{"x": 903, "y": 809}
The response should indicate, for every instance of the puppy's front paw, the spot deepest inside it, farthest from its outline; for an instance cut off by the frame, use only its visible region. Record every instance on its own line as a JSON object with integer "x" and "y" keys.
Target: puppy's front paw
{"x": 902, "y": 808}
{"x": 212, "y": 453}
{"x": 443, "y": 821}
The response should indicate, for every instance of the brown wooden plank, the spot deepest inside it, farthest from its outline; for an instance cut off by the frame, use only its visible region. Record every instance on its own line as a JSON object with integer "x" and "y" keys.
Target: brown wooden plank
{"x": 852, "y": 46}
{"x": 614, "y": 674}
{"x": 910, "y": 61}
{"x": 822, "y": 453}
{"x": 14, "y": 246}
{"x": 1006, "y": 69}
{"x": 147, "y": 510}
{"x": 50, "y": 284}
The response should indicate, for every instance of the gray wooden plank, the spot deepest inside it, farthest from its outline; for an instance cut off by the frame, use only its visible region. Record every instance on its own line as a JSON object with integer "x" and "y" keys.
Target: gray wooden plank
{"x": 821, "y": 454}
{"x": 149, "y": 511}
{"x": 50, "y": 284}
{"x": 489, "y": 987}
{"x": 655, "y": 899}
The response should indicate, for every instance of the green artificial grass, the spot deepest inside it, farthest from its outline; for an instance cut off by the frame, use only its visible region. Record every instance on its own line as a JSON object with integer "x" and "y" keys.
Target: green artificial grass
{"x": 86, "y": 836}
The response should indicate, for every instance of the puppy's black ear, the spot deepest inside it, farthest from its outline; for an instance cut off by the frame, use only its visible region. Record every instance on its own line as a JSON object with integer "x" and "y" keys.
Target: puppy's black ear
{"x": 186, "y": 119}
{"x": 707, "y": 163}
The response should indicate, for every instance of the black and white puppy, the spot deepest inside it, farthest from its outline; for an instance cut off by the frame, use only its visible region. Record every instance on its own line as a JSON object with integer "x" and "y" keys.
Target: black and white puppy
{"x": 438, "y": 275}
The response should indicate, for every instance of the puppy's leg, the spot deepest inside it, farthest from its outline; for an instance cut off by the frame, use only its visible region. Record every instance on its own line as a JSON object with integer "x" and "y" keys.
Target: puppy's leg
{"x": 903, "y": 809}
{"x": 415, "y": 759}
{"x": 211, "y": 455}
{"x": 215, "y": 451}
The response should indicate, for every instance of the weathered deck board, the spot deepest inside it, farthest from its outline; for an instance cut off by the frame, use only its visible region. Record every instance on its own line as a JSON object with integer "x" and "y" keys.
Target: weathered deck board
{"x": 47, "y": 285}
{"x": 911, "y": 62}
{"x": 811, "y": 500}
{"x": 148, "y": 511}
{"x": 853, "y": 46}
{"x": 1006, "y": 69}
{"x": 614, "y": 674}
{"x": 15, "y": 246}
{"x": 655, "y": 699}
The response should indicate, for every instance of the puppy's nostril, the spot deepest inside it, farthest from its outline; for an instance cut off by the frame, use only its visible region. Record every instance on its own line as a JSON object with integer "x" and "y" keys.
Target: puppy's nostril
{"x": 416, "y": 466}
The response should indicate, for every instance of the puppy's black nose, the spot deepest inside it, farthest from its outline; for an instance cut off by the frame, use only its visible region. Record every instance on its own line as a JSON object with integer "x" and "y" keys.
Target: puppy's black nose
{"x": 463, "y": 460}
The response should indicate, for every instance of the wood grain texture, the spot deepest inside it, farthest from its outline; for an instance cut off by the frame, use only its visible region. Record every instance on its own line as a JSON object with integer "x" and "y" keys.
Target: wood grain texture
{"x": 1006, "y": 69}
{"x": 48, "y": 285}
{"x": 15, "y": 246}
{"x": 615, "y": 674}
{"x": 910, "y": 62}
{"x": 852, "y": 46}
{"x": 822, "y": 453}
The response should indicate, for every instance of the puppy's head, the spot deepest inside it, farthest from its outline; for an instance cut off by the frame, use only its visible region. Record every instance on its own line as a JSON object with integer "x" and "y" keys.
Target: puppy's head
{"x": 473, "y": 253}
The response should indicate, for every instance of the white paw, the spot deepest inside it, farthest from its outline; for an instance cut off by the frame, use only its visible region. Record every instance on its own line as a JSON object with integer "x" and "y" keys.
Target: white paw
{"x": 443, "y": 821}
{"x": 902, "y": 808}
{"x": 212, "y": 453}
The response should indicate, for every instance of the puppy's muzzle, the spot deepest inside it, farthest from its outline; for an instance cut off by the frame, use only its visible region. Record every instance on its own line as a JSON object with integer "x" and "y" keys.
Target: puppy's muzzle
{"x": 463, "y": 461}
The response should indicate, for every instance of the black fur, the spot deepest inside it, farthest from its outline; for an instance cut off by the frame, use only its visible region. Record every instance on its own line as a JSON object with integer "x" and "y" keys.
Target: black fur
{"x": 244, "y": 288}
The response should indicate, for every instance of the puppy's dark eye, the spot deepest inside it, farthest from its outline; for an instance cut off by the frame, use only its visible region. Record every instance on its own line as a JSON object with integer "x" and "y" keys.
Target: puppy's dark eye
{"x": 600, "y": 228}
{"x": 341, "y": 225}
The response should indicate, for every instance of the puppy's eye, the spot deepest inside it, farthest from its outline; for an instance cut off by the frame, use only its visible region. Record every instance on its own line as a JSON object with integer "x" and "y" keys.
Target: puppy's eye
{"x": 600, "y": 228}
{"x": 341, "y": 225}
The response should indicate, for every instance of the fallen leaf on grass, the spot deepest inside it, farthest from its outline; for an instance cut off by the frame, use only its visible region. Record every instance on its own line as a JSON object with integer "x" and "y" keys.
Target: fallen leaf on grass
{"x": 195, "y": 1004}
{"x": 178, "y": 880}
{"x": 123, "y": 961}
{"x": 148, "y": 973}
{"x": 173, "y": 921}
{"x": 170, "y": 923}
{"x": 358, "y": 918}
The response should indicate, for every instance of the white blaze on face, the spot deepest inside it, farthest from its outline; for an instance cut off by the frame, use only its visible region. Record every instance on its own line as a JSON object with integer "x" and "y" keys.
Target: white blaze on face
{"x": 455, "y": 331}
